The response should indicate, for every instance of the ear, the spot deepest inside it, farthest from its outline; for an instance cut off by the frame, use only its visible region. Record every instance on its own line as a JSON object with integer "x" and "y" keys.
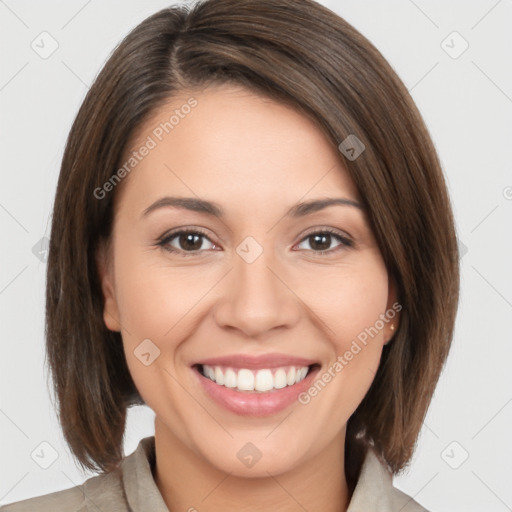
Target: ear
{"x": 392, "y": 314}
{"x": 105, "y": 271}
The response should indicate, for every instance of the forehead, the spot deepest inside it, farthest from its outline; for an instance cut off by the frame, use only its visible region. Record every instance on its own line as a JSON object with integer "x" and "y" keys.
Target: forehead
{"x": 228, "y": 142}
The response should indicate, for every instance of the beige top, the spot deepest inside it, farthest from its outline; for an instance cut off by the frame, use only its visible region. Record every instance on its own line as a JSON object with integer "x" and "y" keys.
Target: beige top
{"x": 131, "y": 488}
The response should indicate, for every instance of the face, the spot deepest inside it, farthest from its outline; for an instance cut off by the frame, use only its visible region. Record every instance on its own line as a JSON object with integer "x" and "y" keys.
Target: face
{"x": 246, "y": 316}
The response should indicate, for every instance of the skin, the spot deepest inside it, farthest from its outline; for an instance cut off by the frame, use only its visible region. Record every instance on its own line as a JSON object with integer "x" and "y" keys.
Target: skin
{"x": 256, "y": 158}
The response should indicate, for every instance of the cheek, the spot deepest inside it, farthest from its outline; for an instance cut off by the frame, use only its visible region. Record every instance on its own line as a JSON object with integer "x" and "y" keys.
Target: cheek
{"x": 351, "y": 302}
{"x": 156, "y": 299}
{"x": 156, "y": 303}
{"x": 163, "y": 304}
{"x": 349, "y": 299}
{"x": 352, "y": 310}
{"x": 359, "y": 307}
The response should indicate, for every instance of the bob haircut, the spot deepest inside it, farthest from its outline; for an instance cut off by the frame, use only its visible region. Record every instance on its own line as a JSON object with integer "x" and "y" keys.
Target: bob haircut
{"x": 302, "y": 54}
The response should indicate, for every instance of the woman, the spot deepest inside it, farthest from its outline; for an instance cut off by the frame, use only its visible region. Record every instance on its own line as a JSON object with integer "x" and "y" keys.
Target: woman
{"x": 252, "y": 236}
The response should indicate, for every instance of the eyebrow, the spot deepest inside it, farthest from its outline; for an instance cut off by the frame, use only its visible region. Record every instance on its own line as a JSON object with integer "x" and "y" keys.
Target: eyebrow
{"x": 214, "y": 209}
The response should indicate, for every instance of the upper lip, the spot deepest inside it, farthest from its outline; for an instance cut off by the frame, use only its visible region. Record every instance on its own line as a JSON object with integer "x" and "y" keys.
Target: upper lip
{"x": 253, "y": 362}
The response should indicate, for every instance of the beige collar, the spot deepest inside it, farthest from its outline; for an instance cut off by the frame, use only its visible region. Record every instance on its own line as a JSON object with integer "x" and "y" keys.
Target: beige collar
{"x": 374, "y": 490}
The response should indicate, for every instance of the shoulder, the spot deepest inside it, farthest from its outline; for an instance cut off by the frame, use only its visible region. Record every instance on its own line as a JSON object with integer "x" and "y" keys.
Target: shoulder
{"x": 121, "y": 490}
{"x": 103, "y": 492}
{"x": 404, "y": 502}
{"x": 375, "y": 491}
{"x": 68, "y": 500}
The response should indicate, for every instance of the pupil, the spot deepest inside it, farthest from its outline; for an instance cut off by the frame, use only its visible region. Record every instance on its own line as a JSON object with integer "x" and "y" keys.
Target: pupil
{"x": 191, "y": 241}
{"x": 321, "y": 242}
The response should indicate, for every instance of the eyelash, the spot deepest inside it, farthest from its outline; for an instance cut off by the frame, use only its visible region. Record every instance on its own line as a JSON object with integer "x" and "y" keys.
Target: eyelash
{"x": 164, "y": 240}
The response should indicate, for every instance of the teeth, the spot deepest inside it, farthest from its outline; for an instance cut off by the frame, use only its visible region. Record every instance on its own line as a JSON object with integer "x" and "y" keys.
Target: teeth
{"x": 245, "y": 380}
{"x": 219, "y": 376}
{"x": 290, "y": 376}
{"x": 210, "y": 372}
{"x": 280, "y": 379}
{"x": 301, "y": 374}
{"x": 264, "y": 380}
{"x": 230, "y": 378}
{"x": 255, "y": 380}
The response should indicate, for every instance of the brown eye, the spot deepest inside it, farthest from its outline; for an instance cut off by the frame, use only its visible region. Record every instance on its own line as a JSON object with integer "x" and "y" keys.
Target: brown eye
{"x": 190, "y": 241}
{"x": 185, "y": 242}
{"x": 321, "y": 241}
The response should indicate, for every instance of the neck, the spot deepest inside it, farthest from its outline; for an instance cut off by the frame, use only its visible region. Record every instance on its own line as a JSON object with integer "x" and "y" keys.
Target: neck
{"x": 187, "y": 481}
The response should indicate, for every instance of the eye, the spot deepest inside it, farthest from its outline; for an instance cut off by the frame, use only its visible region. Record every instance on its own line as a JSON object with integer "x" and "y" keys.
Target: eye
{"x": 320, "y": 241}
{"x": 186, "y": 242}
{"x": 191, "y": 242}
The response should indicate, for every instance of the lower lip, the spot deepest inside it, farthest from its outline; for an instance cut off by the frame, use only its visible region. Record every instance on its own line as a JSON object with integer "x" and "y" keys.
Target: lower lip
{"x": 253, "y": 403}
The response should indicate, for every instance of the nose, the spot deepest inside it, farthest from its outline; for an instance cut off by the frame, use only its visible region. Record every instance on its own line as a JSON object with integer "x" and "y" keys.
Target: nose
{"x": 256, "y": 298}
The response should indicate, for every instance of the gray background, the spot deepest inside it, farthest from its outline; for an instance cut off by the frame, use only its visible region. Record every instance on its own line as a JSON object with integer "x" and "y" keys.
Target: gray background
{"x": 466, "y": 101}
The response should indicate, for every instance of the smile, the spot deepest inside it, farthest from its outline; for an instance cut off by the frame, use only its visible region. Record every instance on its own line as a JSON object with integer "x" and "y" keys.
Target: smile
{"x": 255, "y": 385}
{"x": 261, "y": 381}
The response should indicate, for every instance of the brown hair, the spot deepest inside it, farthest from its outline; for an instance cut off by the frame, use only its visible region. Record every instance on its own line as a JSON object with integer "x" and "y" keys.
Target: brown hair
{"x": 301, "y": 53}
